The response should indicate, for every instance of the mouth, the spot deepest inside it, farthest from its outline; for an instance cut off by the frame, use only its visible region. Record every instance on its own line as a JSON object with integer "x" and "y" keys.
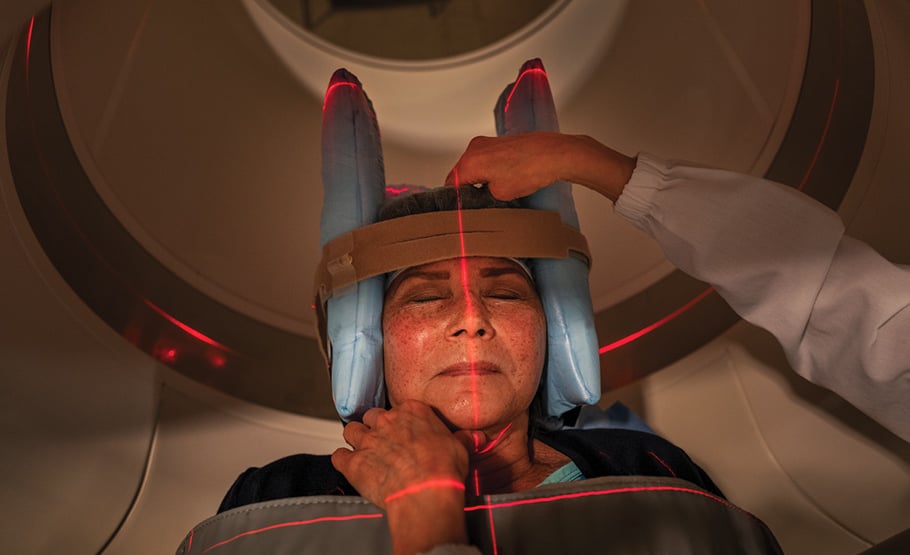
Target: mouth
{"x": 478, "y": 368}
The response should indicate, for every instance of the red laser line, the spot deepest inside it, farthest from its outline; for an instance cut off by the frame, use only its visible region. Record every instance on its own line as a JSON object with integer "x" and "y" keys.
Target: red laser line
{"x": 428, "y": 484}
{"x": 193, "y": 333}
{"x": 93, "y": 249}
{"x": 489, "y": 506}
{"x": 578, "y": 495}
{"x": 802, "y": 184}
{"x": 469, "y": 308}
{"x": 395, "y": 191}
{"x": 661, "y": 461}
{"x": 28, "y": 46}
{"x": 821, "y": 142}
{"x": 805, "y": 179}
{"x": 294, "y": 523}
{"x": 493, "y": 443}
{"x": 824, "y": 136}
{"x": 515, "y": 86}
{"x": 468, "y": 313}
{"x": 189, "y": 542}
{"x": 332, "y": 88}
{"x": 493, "y": 531}
{"x": 655, "y": 325}
{"x": 648, "y": 329}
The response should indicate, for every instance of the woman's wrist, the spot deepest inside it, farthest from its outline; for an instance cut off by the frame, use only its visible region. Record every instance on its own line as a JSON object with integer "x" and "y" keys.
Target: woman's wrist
{"x": 426, "y": 517}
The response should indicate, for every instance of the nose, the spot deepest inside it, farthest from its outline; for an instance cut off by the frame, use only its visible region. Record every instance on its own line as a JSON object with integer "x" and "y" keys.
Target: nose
{"x": 471, "y": 320}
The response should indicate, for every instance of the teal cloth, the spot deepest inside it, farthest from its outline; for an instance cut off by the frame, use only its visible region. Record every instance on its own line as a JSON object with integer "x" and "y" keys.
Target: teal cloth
{"x": 568, "y": 472}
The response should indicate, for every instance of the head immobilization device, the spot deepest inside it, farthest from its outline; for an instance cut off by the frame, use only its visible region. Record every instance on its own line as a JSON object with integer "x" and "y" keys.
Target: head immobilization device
{"x": 357, "y": 252}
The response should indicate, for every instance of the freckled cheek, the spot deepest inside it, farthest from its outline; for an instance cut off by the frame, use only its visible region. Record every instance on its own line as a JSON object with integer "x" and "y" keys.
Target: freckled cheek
{"x": 529, "y": 343}
{"x": 406, "y": 343}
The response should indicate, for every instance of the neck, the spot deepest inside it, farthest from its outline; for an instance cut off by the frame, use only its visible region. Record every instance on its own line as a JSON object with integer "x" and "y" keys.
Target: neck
{"x": 504, "y": 463}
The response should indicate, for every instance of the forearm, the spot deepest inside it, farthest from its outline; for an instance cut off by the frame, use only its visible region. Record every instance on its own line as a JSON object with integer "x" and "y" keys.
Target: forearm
{"x": 422, "y": 520}
{"x": 766, "y": 248}
{"x": 781, "y": 261}
{"x": 589, "y": 163}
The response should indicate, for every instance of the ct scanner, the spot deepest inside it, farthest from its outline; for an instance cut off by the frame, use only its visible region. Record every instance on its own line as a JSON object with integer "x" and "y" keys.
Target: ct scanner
{"x": 160, "y": 191}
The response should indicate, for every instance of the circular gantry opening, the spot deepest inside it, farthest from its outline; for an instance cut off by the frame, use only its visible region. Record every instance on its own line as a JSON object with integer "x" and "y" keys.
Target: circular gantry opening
{"x": 412, "y": 29}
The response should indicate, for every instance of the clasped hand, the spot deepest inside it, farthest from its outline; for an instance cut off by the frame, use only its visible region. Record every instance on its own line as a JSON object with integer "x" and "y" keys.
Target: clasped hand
{"x": 403, "y": 449}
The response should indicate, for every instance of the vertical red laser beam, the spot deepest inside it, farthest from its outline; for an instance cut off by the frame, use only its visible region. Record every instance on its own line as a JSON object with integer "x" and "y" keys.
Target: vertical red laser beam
{"x": 469, "y": 309}
{"x": 492, "y": 529}
{"x": 28, "y": 46}
{"x": 469, "y": 304}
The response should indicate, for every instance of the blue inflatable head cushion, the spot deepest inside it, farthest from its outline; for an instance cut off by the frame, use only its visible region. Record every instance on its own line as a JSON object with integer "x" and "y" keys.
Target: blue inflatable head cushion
{"x": 359, "y": 251}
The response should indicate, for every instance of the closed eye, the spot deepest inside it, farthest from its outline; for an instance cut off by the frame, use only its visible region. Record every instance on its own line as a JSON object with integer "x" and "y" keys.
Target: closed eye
{"x": 505, "y": 295}
{"x": 423, "y": 295}
{"x": 426, "y": 298}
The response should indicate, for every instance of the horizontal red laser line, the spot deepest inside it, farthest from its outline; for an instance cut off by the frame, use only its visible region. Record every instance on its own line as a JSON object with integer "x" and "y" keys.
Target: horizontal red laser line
{"x": 578, "y": 495}
{"x": 332, "y": 88}
{"x": 395, "y": 190}
{"x": 196, "y": 334}
{"x": 648, "y": 329}
{"x": 515, "y": 86}
{"x": 428, "y": 484}
{"x": 490, "y": 507}
{"x": 294, "y": 523}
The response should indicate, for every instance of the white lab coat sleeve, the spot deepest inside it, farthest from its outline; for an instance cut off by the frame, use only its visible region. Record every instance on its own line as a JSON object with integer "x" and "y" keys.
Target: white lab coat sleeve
{"x": 781, "y": 260}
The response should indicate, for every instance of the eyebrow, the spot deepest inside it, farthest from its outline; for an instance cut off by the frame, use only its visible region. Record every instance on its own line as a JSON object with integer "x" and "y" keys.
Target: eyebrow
{"x": 423, "y": 274}
{"x": 497, "y": 271}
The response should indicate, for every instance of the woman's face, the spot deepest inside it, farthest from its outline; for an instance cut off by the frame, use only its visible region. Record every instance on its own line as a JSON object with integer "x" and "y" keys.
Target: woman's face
{"x": 466, "y": 336}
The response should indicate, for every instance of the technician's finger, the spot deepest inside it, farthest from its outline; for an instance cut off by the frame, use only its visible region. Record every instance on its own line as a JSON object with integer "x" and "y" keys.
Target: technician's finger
{"x": 450, "y": 179}
{"x": 457, "y": 176}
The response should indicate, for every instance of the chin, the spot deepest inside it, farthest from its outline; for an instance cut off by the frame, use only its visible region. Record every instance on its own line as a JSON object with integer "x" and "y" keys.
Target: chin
{"x": 460, "y": 415}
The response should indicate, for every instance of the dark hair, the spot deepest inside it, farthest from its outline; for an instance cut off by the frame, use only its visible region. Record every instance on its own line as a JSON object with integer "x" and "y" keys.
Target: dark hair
{"x": 441, "y": 199}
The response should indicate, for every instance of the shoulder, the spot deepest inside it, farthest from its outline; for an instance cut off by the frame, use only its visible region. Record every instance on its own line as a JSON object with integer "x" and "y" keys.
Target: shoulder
{"x": 292, "y": 476}
{"x": 616, "y": 451}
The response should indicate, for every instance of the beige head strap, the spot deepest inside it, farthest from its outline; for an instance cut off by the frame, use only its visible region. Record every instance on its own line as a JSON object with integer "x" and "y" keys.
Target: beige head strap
{"x": 423, "y": 238}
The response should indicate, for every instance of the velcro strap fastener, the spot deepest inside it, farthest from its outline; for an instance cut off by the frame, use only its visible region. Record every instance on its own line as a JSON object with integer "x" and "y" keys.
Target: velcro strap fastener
{"x": 423, "y": 238}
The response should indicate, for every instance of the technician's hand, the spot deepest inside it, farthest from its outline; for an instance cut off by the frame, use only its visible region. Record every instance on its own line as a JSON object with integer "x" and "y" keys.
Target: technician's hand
{"x": 408, "y": 462}
{"x": 513, "y": 166}
{"x": 518, "y": 165}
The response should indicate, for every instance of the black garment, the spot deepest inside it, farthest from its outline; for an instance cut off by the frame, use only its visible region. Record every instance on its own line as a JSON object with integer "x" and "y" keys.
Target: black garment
{"x": 596, "y": 452}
